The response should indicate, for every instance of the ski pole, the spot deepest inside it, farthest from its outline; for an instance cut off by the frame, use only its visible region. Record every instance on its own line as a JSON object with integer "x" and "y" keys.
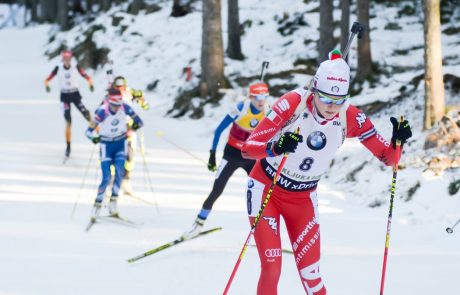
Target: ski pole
{"x": 451, "y": 229}
{"x": 256, "y": 221}
{"x": 161, "y": 135}
{"x": 262, "y": 73}
{"x": 146, "y": 169}
{"x": 83, "y": 181}
{"x": 390, "y": 213}
{"x": 356, "y": 29}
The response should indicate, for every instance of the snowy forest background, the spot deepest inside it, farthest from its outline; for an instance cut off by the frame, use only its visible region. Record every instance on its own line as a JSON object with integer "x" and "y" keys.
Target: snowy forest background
{"x": 194, "y": 60}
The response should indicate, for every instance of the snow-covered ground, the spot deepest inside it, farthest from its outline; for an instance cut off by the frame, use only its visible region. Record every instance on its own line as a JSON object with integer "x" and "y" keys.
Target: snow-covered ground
{"x": 45, "y": 251}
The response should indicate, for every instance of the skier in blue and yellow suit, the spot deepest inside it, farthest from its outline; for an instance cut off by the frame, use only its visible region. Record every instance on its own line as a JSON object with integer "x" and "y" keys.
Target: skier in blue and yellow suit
{"x": 244, "y": 117}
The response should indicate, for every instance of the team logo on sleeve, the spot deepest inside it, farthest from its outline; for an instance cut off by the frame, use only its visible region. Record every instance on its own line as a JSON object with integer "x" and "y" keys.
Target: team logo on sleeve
{"x": 316, "y": 140}
{"x": 251, "y": 183}
{"x": 254, "y": 122}
{"x": 273, "y": 116}
{"x": 361, "y": 118}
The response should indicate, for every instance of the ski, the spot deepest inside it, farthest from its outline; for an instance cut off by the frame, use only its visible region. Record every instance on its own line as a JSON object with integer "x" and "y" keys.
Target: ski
{"x": 170, "y": 244}
{"x": 112, "y": 218}
{"x": 120, "y": 220}
{"x": 90, "y": 224}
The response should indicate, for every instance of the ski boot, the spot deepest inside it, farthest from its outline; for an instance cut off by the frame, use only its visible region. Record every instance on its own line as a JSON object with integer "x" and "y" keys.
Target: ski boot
{"x": 67, "y": 150}
{"x": 113, "y": 210}
{"x": 96, "y": 210}
{"x": 195, "y": 230}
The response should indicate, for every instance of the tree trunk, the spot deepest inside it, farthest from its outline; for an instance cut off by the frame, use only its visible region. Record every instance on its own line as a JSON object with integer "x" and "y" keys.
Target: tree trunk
{"x": 105, "y": 4}
{"x": 364, "y": 45}
{"x": 212, "y": 51}
{"x": 62, "y": 14}
{"x": 234, "y": 31}
{"x": 344, "y": 24}
{"x": 434, "y": 84}
{"x": 34, "y": 11}
{"x": 326, "y": 30}
{"x": 48, "y": 10}
{"x": 89, "y": 7}
{"x": 136, "y": 6}
{"x": 181, "y": 8}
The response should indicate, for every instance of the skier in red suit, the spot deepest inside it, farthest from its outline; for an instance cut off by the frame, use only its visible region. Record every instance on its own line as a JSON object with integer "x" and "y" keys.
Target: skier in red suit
{"x": 323, "y": 117}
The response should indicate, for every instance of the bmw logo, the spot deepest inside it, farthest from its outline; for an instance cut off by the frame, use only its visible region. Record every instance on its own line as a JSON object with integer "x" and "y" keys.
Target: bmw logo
{"x": 254, "y": 123}
{"x": 115, "y": 122}
{"x": 67, "y": 75}
{"x": 335, "y": 89}
{"x": 316, "y": 140}
{"x": 251, "y": 183}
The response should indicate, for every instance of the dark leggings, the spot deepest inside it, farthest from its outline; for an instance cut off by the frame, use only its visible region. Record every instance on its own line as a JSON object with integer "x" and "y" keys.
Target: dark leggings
{"x": 74, "y": 97}
{"x": 231, "y": 161}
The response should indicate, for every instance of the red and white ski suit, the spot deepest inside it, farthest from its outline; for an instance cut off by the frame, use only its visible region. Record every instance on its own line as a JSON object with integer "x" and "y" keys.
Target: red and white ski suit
{"x": 294, "y": 196}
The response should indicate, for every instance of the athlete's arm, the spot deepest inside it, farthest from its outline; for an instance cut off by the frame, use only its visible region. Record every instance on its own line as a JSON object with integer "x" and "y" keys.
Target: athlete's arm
{"x": 358, "y": 125}
{"x": 51, "y": 76}
{"x": 227, "y": 121}
{"x": 82, "y": 72}
{"x": 99, "y": 117}
{"x": 137, "y": 120}
{"x": 258, "y": 145}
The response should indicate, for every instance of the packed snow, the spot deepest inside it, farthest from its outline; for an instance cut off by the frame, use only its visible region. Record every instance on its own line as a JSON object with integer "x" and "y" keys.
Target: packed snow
{"x": 43, "y": 250}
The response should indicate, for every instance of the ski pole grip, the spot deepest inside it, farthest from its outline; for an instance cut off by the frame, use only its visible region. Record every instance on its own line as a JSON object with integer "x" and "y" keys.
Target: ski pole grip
{"x": 401, "y": 120}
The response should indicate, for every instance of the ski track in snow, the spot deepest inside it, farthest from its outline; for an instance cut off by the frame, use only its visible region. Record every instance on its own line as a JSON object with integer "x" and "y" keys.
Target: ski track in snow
{"x": 44, "y": 251}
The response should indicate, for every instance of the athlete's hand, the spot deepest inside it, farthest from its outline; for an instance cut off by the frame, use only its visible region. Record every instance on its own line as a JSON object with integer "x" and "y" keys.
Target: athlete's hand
{"x": 135, "y": 126}
{"x": 287, "y": 143}
{"x": 48, "y": 89}
{"x": 91, "y": 87}
{"x": 401, "y": 131}
{"x": 96, "y": 139}
{"x": 212, "y": 161}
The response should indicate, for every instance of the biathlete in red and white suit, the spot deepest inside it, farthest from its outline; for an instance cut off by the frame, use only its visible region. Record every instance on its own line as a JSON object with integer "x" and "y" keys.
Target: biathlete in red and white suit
{"x": 324, "y": 119}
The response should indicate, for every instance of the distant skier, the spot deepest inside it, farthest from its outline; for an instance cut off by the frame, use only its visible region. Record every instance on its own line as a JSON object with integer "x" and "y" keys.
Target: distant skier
{"x": 68, "y": 73}
{"x": 243, "y": 117}
{"x": 324, "y": 119}
{"x": 130, "y": 95}
{"x": 111, "y": 118}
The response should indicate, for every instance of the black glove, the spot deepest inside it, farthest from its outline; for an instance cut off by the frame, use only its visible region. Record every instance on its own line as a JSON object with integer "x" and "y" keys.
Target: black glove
{"x": 287, "y": 143}
{"x": 212, "y": 161}
{"x": 401, "y": 131}
{"x": 91, "y": 87}
{"x": 96, "y": 139}
{"x": 135, "y": 126}
{"x": 48, "y": 89}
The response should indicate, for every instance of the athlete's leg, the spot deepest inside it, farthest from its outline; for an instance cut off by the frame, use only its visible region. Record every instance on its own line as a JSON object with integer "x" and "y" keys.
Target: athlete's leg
{"x": 247, "y": 165}
{"x": 119, "y": 163}
{"x": 224, "y": 172}
{"x": 76, "y": 99}
{"x": 105, "y": 167}
{"x": 129, "y": 164}
{"x": 267, "y": 237}
{"x": 301, "y": 217}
